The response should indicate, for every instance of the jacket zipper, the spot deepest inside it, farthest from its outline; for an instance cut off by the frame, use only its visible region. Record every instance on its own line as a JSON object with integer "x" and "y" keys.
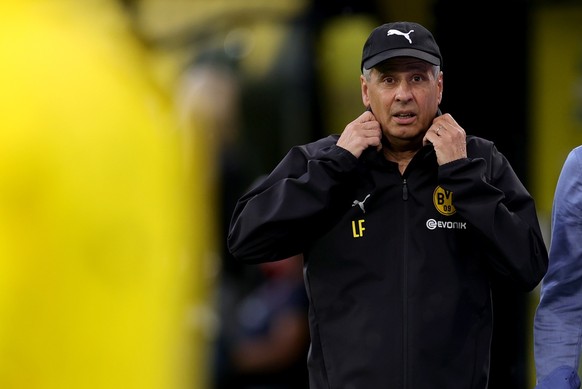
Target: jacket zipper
{"x": 405, "y": 288}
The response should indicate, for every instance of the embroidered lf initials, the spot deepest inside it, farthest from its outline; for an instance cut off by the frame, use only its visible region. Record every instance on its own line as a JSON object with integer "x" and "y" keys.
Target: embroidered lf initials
{"x": 358, "y": 229}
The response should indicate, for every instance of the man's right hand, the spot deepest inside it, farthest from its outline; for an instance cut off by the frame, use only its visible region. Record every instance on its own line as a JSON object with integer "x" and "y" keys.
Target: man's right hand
{"x": 360, "y": 134}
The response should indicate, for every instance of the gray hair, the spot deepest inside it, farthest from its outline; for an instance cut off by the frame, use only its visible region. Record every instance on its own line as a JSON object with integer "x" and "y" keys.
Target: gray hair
{"x": 367, "y": 73}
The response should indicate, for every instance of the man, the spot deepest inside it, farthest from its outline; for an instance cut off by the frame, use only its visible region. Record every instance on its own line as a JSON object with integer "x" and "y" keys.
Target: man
{"x": 403, "y": 221}
{"x": 558, "y": 319}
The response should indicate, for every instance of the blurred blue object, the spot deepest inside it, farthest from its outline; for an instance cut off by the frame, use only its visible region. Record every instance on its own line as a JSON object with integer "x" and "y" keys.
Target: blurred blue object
{"x": 563, "y": 377}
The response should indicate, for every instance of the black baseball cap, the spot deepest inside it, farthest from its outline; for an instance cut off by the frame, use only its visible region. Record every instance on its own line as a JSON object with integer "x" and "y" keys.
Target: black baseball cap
{"x": 400, "y": 39}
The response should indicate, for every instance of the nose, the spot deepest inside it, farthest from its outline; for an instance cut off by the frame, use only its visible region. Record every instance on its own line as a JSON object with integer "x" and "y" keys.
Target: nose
{"x": 403, "y": 92}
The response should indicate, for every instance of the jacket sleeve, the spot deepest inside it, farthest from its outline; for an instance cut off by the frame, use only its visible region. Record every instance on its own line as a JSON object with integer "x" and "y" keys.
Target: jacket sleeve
{"x": 277, "y": 218}
{"x": 490, "y": 196}
{"x": 558, "y": 318}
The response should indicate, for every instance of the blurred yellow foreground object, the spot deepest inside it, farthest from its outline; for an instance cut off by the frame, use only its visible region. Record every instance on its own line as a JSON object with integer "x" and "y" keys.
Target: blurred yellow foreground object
{"x": 96, "y": 242}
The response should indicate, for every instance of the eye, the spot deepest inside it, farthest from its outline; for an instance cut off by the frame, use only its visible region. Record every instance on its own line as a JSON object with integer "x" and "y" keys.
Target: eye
{"x": 388, "y": 80}
{"x": 417, "y": 78}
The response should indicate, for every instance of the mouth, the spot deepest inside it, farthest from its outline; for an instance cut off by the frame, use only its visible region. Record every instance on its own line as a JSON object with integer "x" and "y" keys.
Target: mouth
{"x": 404, "y": 115}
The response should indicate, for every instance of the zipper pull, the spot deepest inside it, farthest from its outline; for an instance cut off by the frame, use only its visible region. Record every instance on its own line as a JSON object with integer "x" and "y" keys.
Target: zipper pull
{"x": 404, "y": 190}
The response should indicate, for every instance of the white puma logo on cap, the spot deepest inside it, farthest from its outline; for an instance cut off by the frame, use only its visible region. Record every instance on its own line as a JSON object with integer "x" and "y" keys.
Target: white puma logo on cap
{"x": 404, "y": 34}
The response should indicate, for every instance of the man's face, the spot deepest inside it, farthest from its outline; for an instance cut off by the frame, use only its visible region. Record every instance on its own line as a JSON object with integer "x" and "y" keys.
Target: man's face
{"x": 404, "y": 94}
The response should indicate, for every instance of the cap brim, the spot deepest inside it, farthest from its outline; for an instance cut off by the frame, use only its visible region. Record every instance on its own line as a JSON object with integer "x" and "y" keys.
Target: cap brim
{"x": 383, "y": 56}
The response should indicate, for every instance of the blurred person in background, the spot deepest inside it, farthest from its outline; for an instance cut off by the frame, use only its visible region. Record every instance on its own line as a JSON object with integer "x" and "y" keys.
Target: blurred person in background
{"x": 558, "y": 318}
{"x": 262, "y": 333}
{"x": 403, "y": 221}
{"x": 265, "y": 347}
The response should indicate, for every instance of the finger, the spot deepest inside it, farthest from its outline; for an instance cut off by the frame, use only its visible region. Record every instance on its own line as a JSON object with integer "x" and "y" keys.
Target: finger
{"x": 432, "y": 133}
{"x": 427, "y": 140}
{"x": 367, "y": 116}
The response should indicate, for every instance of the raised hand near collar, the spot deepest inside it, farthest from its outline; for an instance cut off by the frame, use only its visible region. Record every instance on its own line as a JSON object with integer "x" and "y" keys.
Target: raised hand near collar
{"x": 448, "y": 138}
{"x": 363, "y": 132}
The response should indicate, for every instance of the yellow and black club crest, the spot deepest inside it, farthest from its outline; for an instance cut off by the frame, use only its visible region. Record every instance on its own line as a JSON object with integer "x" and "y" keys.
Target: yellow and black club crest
{"x": 443, "y": 201}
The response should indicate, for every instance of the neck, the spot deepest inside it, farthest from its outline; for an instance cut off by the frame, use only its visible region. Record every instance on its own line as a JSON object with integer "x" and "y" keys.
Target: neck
{"x": 401, "y": 157}
{"x": 401, "y": 152}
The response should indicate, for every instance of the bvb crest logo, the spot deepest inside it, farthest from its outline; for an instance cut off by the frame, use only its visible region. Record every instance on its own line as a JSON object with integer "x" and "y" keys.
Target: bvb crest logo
{"x": 443, "y": 201}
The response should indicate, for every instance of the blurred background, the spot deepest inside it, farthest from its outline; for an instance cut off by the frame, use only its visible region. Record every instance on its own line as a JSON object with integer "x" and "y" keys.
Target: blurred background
{"x": 129, "y": 128}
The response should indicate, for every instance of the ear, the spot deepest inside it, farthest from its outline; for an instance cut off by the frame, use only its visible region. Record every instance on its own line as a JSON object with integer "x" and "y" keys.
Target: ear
{"x": 440, "y": 84}
{"x": 364, "y": 85}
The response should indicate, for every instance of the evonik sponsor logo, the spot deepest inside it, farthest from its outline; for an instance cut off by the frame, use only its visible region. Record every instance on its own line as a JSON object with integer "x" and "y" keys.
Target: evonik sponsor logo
{"x": 433, "y": 224}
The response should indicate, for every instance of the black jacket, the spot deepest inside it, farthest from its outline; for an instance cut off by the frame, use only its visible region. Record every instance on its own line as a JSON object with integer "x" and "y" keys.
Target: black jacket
{"x": 398, "y": 268}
